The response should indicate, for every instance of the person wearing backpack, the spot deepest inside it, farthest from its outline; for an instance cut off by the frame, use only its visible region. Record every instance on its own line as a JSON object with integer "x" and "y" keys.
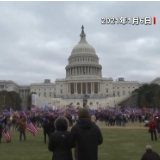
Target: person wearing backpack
{"x": 59, "y": 140}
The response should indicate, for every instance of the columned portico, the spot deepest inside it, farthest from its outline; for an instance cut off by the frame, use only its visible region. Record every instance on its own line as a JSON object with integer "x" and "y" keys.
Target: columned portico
{"x": 84, "y": 88}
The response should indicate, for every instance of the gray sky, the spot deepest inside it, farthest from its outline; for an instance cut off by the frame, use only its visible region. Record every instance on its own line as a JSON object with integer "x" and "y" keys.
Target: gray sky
{"x": 36, "y": 39}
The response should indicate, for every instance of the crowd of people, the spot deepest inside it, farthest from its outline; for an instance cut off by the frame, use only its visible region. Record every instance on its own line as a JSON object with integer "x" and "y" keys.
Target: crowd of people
{"x": 85, "y": 135}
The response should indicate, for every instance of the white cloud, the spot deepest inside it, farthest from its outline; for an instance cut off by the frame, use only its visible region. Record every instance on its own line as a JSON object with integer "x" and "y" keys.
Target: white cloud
{"x": 36, "y": 39}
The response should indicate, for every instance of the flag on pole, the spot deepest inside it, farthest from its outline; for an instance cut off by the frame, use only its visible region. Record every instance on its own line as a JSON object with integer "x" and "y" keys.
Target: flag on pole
{"x": 6, "y": 134}
{"x": 30, "y": 127}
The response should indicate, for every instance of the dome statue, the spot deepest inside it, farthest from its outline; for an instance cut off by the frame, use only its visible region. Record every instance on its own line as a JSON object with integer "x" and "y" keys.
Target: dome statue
{"x": 83, "y": 46}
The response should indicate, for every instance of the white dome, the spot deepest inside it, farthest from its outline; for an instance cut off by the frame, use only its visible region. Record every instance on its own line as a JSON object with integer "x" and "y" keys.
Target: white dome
{"x": 83, "y": 46}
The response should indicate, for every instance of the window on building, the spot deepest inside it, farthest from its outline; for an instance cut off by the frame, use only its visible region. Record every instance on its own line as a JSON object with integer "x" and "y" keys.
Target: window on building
{"x": 61, "y": 91}
{"x": 107, "y": 90}
{"x": 123, "y": 92}
{"x": 44, "y": 94}
{"x": 129, "y": 92}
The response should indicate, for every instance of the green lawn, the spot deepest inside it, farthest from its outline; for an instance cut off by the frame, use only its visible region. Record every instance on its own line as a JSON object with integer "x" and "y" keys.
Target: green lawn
{"x": 125, "y": 143}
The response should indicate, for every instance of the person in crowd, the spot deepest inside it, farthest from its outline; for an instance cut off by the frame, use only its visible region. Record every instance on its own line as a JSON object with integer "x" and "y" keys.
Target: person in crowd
{"x": 51, "y": 125}
{"x": 152, "y": 128}
{"x": 97, "y": 119}
{"x": 4, "y": 121}
{"x": 69, "y": 117}
{"x": 85, "y": 137}
{"x": 17, "y": 124}
{"x": 110, "y": 120}
{"x": 9, "y": 122}
{"x": 33, "y": 119}
{"x": 22, "y": 127}
{"x": 73, "y": 119}
{"x": 140, "y": 118}
{"x": 45, "y": 125}
{"x": 150, "y": 154}
{"x": 113, "y": 120}
{"x": 37, "y": 118}
{"x": 14, "y": 123}
{"x": 59, "y": 140}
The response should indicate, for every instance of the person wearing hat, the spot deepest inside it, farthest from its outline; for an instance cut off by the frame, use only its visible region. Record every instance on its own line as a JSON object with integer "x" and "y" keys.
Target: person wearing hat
{"x": 59, "y": 140}
{"x": 85, "y": 137}
{"x": 150, "y": 154}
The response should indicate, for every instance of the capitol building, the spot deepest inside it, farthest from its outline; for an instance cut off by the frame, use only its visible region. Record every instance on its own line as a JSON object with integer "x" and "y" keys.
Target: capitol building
{"x": 83, "y": 76}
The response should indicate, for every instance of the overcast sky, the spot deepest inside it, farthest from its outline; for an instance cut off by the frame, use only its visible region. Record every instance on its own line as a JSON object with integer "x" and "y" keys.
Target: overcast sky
{"x": 36, "y": 39}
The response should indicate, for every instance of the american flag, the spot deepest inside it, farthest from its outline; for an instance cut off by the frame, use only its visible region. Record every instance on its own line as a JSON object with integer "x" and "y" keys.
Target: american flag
{"x": 6, "y": 134}
{"x": 30, "y": 127}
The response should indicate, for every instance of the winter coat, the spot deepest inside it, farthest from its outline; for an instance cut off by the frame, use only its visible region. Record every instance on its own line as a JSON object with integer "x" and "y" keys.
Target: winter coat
{"x": 22, "y": 123}
{"x": 45, "y": 126}
{"x": 59, "y": 142}
{"x": 86, "y": 137}
{"x": 51, "y": 127}
{"x": 150, "y": 155}
{"x": 152, "y": 125}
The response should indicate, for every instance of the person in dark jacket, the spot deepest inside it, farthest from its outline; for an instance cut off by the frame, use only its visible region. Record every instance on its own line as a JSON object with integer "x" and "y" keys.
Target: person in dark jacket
{"x": 51, "y": 126}
{"x": 45, "y": 125}
{"x": 59, "y": 140}
{"x": 150, "y": 154}
{"x": 85, "y": 137}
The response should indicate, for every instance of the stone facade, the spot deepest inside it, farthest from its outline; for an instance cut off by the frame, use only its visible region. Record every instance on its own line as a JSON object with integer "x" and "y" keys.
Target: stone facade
{"x": 83, "y": 76}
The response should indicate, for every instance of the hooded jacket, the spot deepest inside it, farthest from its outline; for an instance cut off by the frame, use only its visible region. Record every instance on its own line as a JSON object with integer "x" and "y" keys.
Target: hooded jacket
{"x": 85, "y": 137}
{"x": 58, "y": 144}
{"x": 150, "y": 155}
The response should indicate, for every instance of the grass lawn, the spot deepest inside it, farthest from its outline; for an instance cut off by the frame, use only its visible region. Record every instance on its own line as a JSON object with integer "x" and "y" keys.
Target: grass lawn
{"x": 127, "y": 143}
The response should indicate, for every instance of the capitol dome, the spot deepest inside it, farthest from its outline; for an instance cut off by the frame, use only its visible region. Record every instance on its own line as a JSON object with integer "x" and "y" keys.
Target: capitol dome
{"x": 83, "y": 46}
{"x": 83, "y": 61}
